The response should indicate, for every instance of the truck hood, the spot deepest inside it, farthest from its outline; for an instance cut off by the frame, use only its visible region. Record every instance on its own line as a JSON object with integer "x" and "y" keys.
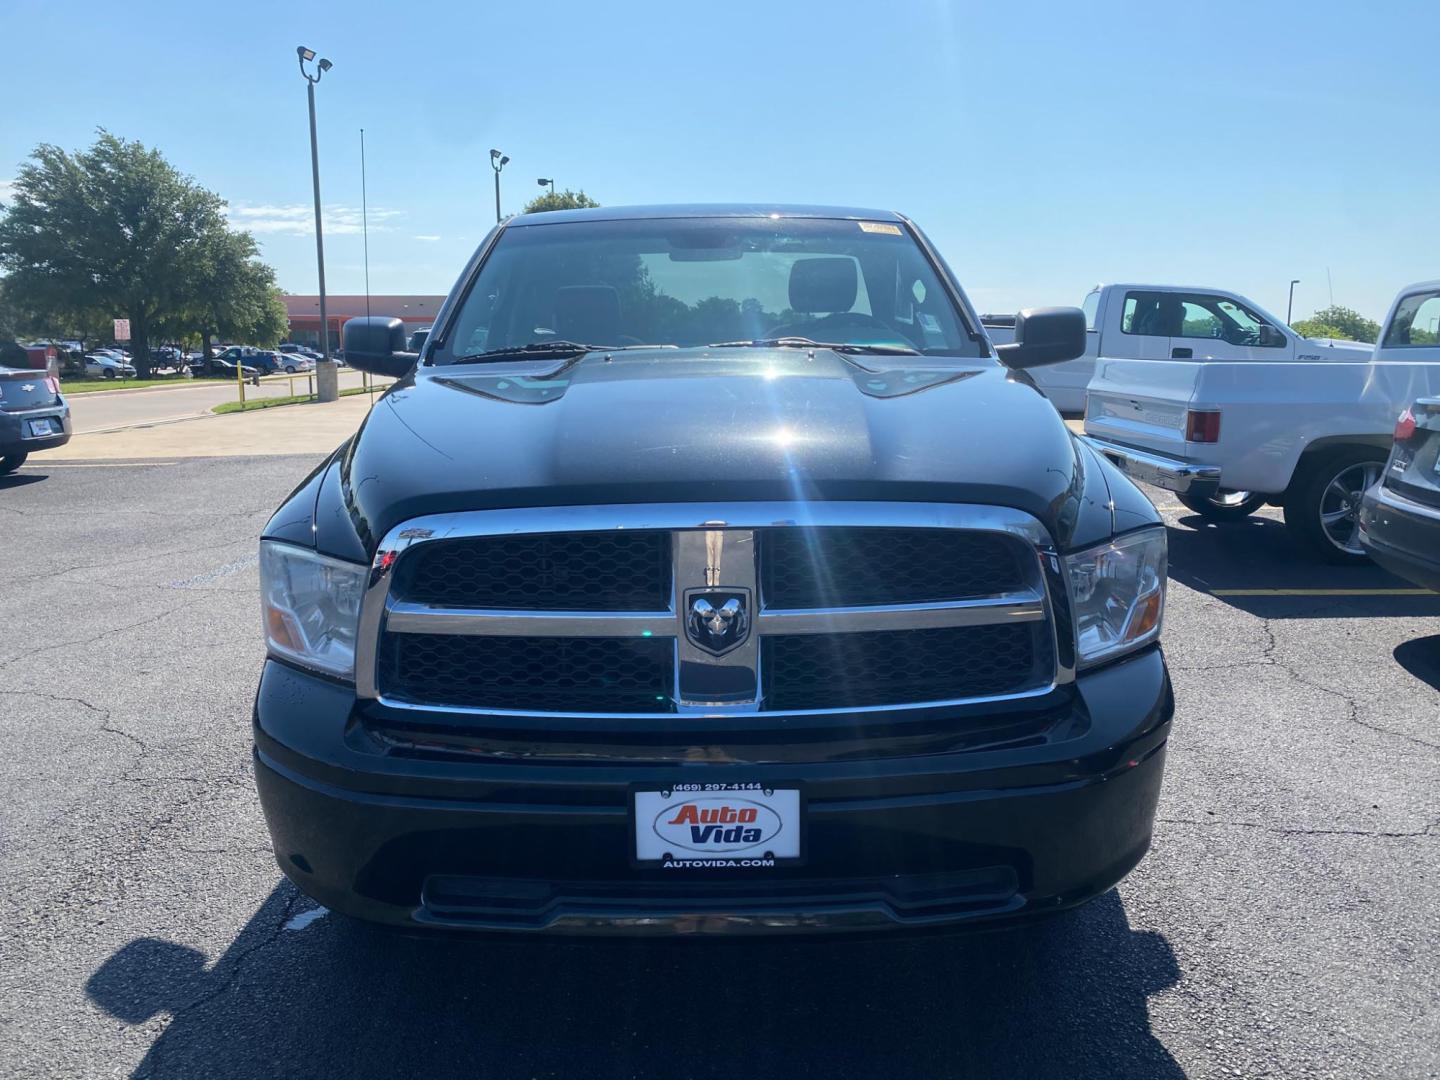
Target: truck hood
{"x": 665, "y": 425}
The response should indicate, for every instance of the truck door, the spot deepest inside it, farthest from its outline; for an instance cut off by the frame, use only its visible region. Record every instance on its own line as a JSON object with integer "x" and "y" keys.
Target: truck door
{"x": 1138, "y": 328}
{"x": 1212, "y": 326}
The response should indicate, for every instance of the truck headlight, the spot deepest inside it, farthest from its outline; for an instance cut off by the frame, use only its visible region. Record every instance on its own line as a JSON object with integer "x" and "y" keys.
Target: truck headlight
{"x": 1117, "y": 595}
{"x": 311, "y": 607}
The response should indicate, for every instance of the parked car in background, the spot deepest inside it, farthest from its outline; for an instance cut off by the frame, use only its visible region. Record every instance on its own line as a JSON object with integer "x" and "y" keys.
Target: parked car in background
{"x": 1219, "y": 402}
{"x": 224, "y": 367}
{"x": 103, "y": 365}
{"x": 167, "y": 356}
{"x": 1399, "y": 519}
{"x": 267, "y": 363}
{"x": 33, "y": 415}
{"x": 293, "y": 362}
{"x": 273, "y": 363}
{"x": 1206, "y": 324}
{"x": 417, "y": 339}
{"x": 224, "y": 362}
{"x": 299, "y": 350}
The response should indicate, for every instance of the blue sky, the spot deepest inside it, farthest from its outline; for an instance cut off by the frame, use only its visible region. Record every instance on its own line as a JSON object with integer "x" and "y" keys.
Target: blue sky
{"x": 1044, "y": 146}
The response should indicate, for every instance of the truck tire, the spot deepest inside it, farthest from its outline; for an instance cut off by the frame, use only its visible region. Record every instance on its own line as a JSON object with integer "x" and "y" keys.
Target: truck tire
{"x": 1322, "y": 505}
{"x": 1224, "y": 505}
{"x": 10, "y": 462}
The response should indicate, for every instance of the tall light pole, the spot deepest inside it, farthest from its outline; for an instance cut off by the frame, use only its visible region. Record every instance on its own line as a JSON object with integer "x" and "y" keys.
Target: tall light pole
{"x": 497, "y": 162}
{"x": 1290, "y": 307}
{"x": 543, "y": 182}
{"x": 326, "y": 383}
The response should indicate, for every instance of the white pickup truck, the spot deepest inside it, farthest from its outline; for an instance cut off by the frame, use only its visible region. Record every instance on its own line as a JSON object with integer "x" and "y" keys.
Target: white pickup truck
{"x": 1202, "y": 392}
{"x": 1227, "y": 324}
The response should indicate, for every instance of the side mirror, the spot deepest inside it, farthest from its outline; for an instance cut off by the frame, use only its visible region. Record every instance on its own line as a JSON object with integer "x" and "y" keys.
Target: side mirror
{"x": 376, "y": 344}
{"x": 1271, "y": 336}
{"x": 417, "y": 341}
{"x": 1045, "y": 336}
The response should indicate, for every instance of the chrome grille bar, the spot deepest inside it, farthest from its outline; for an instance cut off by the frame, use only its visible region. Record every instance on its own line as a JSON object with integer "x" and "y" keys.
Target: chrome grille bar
{"x": 410, "y": 618}
{"x": 1007, "y": 608}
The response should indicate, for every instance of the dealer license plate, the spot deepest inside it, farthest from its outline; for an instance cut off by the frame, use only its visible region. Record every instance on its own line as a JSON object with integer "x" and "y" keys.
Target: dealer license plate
{"x": 41, "y": 427}
{"x": 718, "y": 826}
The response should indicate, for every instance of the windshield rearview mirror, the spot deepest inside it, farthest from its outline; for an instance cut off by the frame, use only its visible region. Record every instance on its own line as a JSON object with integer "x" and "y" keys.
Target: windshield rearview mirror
{"x": 1048, "y": 335}
{"x": 376, "y": 343}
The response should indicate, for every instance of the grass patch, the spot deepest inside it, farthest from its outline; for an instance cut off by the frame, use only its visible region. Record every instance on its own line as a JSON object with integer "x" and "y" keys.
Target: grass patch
{"x": 90, "y": 386}
{"x": 273, "y": 402}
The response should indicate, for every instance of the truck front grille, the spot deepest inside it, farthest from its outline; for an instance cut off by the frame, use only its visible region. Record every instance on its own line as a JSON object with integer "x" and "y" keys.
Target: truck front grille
{"x": 710, "y": 610}
{"x": 546, "y": 674}
{"x": 826, "y": 568}
{"x": 592, "y": 571}
{"x": 832, "y": 671}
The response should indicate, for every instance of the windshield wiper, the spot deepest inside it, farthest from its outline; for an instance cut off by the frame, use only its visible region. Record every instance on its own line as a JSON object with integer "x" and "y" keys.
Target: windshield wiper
{"x": 850, "y": 348}
{"x": 546, "y": 350}
{"x": 535, "y": 348}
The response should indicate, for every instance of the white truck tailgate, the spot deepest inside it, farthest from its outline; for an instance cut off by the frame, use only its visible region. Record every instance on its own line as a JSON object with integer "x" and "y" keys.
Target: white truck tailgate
{"x": 1141, "y": 403}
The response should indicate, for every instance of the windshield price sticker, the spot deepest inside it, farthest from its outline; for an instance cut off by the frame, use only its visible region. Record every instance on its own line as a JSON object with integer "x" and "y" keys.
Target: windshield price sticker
{"x": 717, "y": 826}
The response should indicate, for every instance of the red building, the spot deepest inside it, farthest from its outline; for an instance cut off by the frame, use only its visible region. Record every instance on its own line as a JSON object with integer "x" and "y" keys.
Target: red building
{"x": 304, "y": 311}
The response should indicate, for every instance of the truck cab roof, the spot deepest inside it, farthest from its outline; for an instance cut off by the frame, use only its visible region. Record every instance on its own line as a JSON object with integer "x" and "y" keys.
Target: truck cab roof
{"x": 703, "y": 210}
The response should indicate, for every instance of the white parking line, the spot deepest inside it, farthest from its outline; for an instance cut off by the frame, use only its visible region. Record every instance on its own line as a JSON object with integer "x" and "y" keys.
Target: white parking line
{"x": 96, "y": 465}
{"x": 1322, "y": 592}
{"x": 305, "y": 918}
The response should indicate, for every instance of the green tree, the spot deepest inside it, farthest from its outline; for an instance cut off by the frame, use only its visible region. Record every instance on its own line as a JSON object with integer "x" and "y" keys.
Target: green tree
{"x": 113, "y": 230}
{"x": 1339, "y": 322}
{"x": 236, "y": 296}
{"x": 560, "y": 200}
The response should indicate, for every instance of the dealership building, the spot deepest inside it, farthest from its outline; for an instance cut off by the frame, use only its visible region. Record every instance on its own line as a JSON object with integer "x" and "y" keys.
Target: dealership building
{"x": 417, "y": 312}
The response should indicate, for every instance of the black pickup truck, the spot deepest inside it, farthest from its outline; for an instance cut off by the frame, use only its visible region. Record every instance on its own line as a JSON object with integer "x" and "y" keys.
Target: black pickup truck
{"x": 709, "y": 570}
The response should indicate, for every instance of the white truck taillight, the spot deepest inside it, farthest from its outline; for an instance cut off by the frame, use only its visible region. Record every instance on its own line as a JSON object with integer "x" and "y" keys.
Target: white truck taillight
{"x": 1202, "y": 425}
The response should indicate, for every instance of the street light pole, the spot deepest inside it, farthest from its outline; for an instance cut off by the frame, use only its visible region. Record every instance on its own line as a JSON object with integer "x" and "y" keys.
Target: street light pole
{"x": 1290, "y": 307}
{"x": 497, "y": 162}
{"x": 543, "y": 182}
{"x": 326, "y": 378}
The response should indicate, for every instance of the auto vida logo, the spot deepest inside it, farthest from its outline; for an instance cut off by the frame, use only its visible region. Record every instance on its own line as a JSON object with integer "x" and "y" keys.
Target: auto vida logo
{"x": 717, "y": 825}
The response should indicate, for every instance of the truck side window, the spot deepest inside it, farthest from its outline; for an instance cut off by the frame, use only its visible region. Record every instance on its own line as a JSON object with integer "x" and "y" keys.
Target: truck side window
{"x": 1197, "y": 321}
{"x": 1223, "y": 319}
{"x": 1144, "y": 314}
{"x": 1416, "y": 324}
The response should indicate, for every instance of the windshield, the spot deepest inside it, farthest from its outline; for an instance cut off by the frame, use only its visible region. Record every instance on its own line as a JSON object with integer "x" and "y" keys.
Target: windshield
{"x": 690, "y": 282}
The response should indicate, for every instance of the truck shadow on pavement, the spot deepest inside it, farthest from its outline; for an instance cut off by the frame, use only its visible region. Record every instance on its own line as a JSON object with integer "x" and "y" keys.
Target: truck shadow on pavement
{"x": 1421, "y": 658}
{"x": 19, "y": 480}
{"x": 1260, "y": 553}
{"x": 1066, "y": 997}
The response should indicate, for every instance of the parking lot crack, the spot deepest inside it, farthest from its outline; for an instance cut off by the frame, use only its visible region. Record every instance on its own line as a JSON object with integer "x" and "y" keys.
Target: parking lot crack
{"x": 42, "y": 649}
{"x": 104, "y": 714}
{"x": 1269, "y": 658}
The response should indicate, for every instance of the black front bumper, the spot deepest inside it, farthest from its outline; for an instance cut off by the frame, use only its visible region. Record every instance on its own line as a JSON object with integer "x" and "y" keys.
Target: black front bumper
{"x": 1402, "y": 535}
{"x": 891, "y": 840}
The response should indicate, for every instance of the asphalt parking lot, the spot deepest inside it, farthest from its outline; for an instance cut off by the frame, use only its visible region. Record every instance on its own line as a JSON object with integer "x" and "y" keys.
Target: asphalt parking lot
{"x": 1286, "y": 924}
